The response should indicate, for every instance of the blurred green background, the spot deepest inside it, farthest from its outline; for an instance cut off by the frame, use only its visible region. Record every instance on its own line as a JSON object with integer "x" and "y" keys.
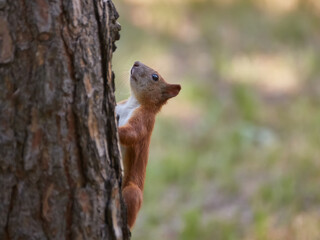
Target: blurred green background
{"x": 236, "y": 154}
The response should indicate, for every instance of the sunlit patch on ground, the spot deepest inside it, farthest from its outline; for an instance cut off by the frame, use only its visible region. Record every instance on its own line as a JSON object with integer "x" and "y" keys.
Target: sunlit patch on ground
{"x": 306, "y": 226}
{"x": 276, "y": 74}
{"x": 278, "y": 7}
{"x": 162, "y": 18}
{"x": 314, "y": 5}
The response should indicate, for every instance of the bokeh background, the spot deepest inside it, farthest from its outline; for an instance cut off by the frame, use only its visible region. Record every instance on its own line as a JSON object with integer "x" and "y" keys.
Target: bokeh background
{"x": 236, "y": 154}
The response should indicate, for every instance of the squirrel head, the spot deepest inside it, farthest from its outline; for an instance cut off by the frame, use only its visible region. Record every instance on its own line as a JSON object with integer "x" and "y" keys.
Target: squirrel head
{"x": 149, "y": 88}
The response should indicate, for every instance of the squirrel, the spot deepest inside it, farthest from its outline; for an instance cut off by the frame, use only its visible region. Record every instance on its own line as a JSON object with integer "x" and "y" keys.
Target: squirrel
{"x": 136, "y": 118}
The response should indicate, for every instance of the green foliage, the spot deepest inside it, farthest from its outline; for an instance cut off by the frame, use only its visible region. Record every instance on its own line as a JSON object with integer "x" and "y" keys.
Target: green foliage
{"x": 192, "y": 228}
{"x": 245, "y": 102}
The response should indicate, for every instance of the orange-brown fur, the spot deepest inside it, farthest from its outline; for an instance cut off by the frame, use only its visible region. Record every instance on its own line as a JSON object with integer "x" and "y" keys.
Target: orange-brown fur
{"x": 135, "y": 134}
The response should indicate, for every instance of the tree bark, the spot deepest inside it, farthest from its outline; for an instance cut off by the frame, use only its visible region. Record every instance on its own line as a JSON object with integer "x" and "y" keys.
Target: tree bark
{"x": 60, "y": 171}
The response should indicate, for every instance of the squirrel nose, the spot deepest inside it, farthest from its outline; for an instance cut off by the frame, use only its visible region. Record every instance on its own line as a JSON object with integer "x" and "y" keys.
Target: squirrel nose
{"x": 136, "y": 64}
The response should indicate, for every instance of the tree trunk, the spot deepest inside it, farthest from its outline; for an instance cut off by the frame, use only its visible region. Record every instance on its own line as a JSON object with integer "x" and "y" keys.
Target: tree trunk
{"x": 60, "y": 171}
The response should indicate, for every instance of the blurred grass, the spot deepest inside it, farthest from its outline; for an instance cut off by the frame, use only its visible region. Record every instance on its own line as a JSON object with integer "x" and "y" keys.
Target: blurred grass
{"x": 236, "y": 154}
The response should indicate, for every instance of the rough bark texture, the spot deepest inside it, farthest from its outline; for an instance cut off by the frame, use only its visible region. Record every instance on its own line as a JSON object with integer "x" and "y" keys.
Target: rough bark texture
{"x": 59, "y": 157}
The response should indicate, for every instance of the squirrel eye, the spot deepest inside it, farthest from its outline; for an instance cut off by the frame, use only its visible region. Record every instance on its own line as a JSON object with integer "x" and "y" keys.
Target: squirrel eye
{"x": 155, "y": 77}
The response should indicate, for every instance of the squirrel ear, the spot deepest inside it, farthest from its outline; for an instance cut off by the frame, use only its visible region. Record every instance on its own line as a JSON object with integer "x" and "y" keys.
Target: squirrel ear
{"x": 172, "y": 90}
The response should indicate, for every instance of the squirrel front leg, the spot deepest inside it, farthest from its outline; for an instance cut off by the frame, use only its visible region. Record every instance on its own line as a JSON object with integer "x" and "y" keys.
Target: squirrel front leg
{"x": 130, "y": 134}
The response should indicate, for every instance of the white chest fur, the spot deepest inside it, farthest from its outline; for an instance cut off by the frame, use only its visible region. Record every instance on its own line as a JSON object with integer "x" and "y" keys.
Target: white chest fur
{"x": 125, "y": 110}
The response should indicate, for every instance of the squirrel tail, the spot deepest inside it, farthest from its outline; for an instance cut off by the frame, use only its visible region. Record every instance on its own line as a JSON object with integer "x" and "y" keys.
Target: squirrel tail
{"x": 132, "y": 195}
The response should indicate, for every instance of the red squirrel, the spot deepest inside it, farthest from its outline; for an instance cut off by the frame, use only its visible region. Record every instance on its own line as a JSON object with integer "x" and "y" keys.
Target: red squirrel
{"x": 136, "y": 118}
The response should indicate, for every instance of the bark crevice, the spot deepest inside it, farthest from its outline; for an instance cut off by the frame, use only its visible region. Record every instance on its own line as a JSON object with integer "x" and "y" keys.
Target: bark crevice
{"x": 101, "y": 37}
{"x": 12, "y": 199}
